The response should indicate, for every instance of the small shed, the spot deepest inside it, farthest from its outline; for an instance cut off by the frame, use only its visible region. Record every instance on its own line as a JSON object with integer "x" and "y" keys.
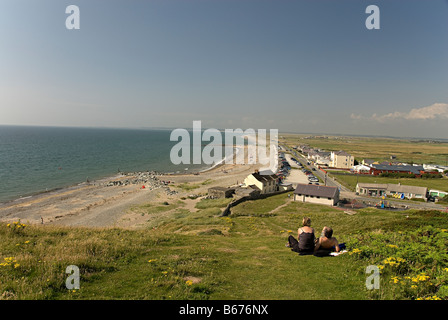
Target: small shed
{"x": 221, "y": 192}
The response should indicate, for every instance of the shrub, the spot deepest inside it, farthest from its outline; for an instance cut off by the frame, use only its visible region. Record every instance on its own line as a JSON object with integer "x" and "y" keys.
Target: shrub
{"x": 397, "y": 175}
{"x": 16, "y": 227}
{"x": 432, "y": 176}
{"x": 444, "y": 199}
{"x": 415, "y": 263}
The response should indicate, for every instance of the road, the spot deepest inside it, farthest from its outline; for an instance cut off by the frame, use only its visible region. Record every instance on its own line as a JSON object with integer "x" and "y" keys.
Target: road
{"x": 328, "y": 181}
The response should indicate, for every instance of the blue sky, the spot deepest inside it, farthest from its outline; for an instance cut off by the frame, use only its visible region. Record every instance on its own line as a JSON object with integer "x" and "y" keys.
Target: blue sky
{"x": 297, "y": 66}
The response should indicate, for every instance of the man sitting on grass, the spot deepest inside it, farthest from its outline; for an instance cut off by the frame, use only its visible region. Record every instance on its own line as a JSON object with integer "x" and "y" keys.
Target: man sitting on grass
{"x": 327, "y": 243}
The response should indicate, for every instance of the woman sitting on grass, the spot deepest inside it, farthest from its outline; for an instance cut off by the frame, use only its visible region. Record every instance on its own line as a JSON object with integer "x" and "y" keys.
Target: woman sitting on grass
{"x": 327, "y": 243}
{"x": 305, "y": 244}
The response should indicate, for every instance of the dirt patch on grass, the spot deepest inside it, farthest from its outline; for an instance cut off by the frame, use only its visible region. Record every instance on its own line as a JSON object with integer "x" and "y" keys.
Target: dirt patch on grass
{"x": 194, "y": 280}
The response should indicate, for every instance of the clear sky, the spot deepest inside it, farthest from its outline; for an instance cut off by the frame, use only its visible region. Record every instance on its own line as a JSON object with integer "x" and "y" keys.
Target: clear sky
{"x": 297, "y": 66}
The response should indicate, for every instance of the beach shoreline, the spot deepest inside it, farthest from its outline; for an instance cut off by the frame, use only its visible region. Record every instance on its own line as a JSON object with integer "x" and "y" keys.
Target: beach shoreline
{"x": 104, "y": 203}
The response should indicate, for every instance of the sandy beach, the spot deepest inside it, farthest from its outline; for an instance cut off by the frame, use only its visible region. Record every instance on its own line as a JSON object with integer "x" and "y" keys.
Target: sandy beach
{"x": 103, "y": 204}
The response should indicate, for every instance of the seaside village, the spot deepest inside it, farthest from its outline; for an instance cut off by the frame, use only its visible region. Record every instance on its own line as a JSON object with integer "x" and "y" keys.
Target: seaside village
{"x": 315, "y": 186}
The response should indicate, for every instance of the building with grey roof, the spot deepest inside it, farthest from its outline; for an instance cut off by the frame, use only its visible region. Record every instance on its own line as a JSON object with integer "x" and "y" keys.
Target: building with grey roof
{"x": 393, "y": 190}
{"x": 316, "y": 194}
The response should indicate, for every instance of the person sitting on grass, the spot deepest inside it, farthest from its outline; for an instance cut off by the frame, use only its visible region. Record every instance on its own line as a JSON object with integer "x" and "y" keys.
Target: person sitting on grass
{"x": 306, "y": 239}
{"x": 327, "y": 243}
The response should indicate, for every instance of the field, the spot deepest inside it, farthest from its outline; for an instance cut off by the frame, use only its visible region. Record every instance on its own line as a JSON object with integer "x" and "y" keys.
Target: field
{"x": 196, "y": 254}
{"x": 350, "y": 180}
{"x": 378, "y": 149}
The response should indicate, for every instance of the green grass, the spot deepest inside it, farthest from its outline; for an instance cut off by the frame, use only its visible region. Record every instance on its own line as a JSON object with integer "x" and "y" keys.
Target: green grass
{"x": 350, "y": 181}
{"x": 377, "y": 148}
{"x": 207, "y": 182}
{"x": 201, "y": 256}
{"x": 152, "y": 208}
{"x": 213, "y": 203}
{"x": 186, "y": 186}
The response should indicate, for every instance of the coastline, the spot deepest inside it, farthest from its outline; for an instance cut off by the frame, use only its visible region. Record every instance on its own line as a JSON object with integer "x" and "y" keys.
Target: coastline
{"x": 102, "y": 204}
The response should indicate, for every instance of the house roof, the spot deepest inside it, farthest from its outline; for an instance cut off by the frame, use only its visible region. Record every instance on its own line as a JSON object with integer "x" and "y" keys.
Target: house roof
{"x": 316, "y": 190}
{"x": 382, "y": 186}
{"x": 324, "y": 154}
{"x": 264, "y": 177}
{"x": 394, "y": 187}
{"x": 407, "y": 189}
{"x": 341, "y": 153}
{"x": 403, "y": 168}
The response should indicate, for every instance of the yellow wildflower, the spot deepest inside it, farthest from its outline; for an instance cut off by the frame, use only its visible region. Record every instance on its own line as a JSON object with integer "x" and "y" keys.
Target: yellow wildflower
{"x": 430, "y": 298}
{"x": 356, "y": 250}
{"x": 395, "y": 279}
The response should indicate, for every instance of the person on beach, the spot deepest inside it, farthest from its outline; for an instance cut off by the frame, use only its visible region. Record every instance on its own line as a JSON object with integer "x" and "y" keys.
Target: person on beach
{"x": 306, "y": 239}
{"x": 327, "y": 243}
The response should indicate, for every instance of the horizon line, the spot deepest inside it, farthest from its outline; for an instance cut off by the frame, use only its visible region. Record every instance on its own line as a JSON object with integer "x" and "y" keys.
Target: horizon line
{"x": 220, "y": 129}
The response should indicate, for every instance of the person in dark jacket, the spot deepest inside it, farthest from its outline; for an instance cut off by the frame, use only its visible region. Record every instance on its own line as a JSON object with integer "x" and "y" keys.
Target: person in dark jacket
{"x": 306, "y": 239}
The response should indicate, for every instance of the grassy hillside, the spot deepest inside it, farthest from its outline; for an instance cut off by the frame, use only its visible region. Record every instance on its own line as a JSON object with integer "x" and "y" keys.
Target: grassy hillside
{"x": 243, "y": 256}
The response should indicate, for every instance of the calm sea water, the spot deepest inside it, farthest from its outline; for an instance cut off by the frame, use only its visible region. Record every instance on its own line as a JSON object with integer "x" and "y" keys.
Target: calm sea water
{"x": 35, "y": 159}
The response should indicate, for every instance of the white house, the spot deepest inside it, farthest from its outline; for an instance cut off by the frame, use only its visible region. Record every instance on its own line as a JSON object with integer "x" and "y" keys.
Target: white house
{"x": 341, "y": 159}
{"x": 267, "y": 183}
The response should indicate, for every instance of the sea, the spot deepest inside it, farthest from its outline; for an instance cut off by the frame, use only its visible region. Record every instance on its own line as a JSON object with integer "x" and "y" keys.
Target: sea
{"x": 40, "y": 159}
